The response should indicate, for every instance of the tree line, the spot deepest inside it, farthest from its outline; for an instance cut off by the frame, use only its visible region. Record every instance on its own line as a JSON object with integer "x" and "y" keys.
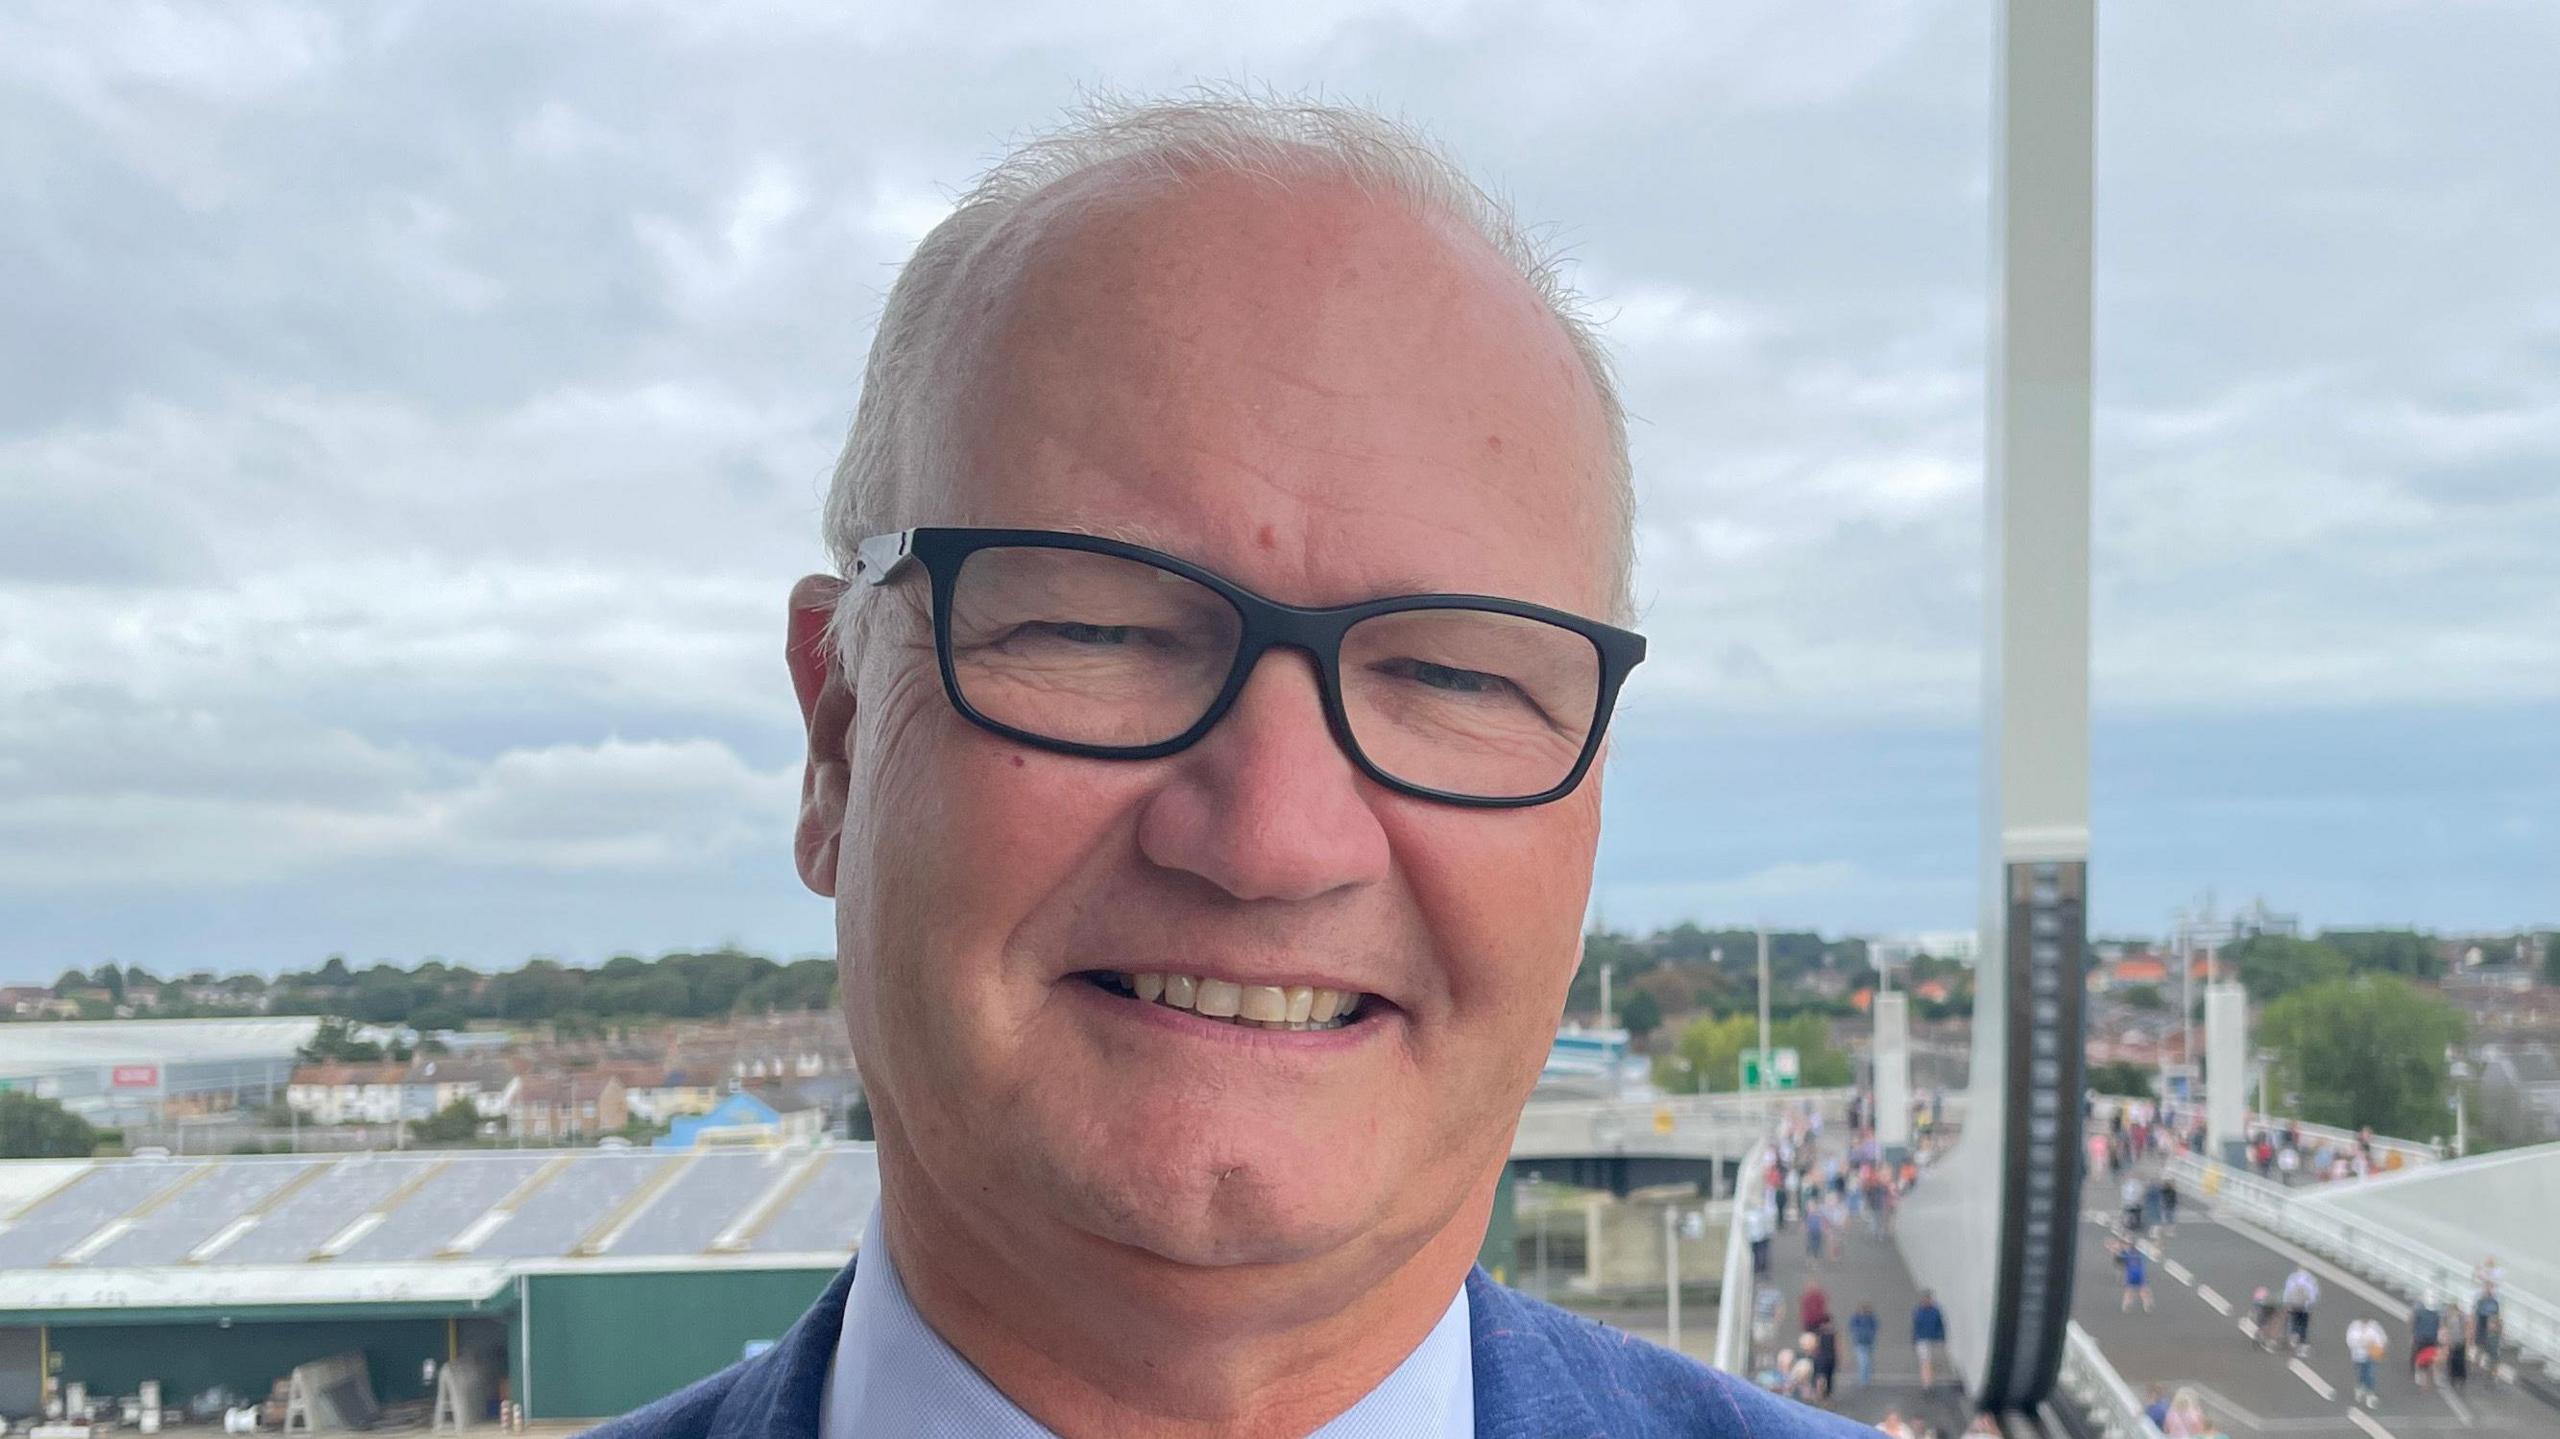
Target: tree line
{"x": 436, "y": 995}
{"x": 2271, "y": 966}
{"x": 1687, "y": 969}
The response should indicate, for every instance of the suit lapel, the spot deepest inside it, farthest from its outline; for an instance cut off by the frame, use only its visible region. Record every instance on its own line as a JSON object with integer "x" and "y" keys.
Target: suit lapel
{"x": 1523, "y": 1390}
{"x": 778, "y": 1393}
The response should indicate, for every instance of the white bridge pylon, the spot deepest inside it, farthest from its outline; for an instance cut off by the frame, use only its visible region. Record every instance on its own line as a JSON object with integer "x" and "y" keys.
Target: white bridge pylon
{"x": 2000, "y": 1209}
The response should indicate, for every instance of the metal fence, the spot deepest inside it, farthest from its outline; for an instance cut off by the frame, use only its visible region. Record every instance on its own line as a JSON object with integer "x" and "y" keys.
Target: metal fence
{"x": 2410, "y": 1151}
{"x": 2093, "y": 1384}
{"x": 2407, "y": 1152}
{"x": 1685, "y": 1123}
{"x": 2407, "y": 1268}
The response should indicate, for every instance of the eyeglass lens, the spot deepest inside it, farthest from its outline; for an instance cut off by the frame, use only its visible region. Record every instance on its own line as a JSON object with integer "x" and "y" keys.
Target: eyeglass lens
{"x": 1095, "y": 649}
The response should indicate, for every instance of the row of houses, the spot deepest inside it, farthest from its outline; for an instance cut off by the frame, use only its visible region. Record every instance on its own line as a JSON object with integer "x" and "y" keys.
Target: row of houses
{"x": 2145, "y": 969}
{"x": 534, "y": 1101}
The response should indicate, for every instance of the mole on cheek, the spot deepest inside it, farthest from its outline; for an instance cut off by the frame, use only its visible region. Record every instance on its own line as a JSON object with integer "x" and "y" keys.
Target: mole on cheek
{"x": 1017, "y": 761}
{"x": 1266, "y": 538}
{"x": 1493, "y": 443}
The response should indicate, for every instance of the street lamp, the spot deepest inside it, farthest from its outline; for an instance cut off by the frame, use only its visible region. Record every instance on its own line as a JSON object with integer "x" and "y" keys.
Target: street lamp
{"x": 2460, "y": 1070}
{"x": 1766, "y": 1078}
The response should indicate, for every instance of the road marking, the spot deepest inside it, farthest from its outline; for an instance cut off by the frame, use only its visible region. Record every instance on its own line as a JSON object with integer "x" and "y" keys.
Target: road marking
{"x": 2179, "y": 1272}
{"x": 2221, "y": 1306}
{"x": 2367, "y": 1423}
{"x": 2217, "y": 1402}
{"x": 2371, "y": 1295}
{"x": 2248, "y": 1328}
{"x": 2461, "y": 1410}
{"x": 2307, "y": 1375}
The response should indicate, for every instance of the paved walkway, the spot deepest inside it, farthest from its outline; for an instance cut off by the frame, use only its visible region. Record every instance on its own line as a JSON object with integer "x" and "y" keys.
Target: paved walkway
{"x": 2195, "y": 1336}
{"x": 1869, "y": 1270}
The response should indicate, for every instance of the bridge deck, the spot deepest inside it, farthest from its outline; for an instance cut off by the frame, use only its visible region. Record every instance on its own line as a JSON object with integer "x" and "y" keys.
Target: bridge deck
{"x": 2208, "y": 1266}
{"x": 1870, "y": 1269}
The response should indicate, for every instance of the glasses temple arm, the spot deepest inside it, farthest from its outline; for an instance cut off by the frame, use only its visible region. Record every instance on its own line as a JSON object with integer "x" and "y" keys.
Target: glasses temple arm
{"x": 878, "y": 559}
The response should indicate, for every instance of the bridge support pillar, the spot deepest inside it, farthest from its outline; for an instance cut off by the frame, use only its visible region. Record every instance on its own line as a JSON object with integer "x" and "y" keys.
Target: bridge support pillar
{"x": 1893, "y": 1074}
{"x": 2226, "y": 1070}
{"x": 2001, "y": 1208}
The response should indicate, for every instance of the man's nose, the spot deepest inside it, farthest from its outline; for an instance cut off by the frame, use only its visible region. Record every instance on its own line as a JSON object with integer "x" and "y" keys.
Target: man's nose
{"x": 1267, "y": 806}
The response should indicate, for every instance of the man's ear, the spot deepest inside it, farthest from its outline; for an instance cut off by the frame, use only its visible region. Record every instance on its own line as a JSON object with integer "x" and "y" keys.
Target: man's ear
{"x": 826, "y": 708}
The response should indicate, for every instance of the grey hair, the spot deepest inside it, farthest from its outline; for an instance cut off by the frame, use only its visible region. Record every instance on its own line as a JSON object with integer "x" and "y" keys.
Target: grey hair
{"x": 1266, "y": 137}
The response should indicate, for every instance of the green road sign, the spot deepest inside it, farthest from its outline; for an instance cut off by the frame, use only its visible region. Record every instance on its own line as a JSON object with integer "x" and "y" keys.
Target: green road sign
{"x": 1782, "y": 1074}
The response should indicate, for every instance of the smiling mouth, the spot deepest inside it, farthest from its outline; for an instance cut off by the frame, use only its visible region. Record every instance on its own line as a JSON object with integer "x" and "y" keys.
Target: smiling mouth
{"x": 1249, "y": 1006}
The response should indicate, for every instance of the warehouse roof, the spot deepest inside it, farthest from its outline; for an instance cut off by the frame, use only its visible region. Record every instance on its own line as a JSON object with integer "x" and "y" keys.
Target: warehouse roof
{"x": 412, "y": 1226}
{"x": 34, "y": 1048}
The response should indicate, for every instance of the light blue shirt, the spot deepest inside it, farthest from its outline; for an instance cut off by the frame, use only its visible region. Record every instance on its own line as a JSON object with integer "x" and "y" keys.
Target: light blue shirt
{"x": 893, "y": 1376}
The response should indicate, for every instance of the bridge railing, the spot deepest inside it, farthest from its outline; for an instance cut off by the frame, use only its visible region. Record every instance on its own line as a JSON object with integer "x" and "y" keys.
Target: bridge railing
{"x": 2091, "y": 1382}
{"x": 1604, "y": 1126}
{"x": 2407, "y": 1268}
{"x": 2410, "y": 1151}
{"x": 1740, "y": 1288}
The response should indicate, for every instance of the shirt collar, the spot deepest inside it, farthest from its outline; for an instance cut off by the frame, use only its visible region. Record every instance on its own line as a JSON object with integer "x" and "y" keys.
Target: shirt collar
{"x": 893, "y": 1375}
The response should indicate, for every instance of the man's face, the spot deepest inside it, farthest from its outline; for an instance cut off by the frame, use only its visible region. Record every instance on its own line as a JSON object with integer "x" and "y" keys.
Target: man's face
{"x": 1326, "y": 400}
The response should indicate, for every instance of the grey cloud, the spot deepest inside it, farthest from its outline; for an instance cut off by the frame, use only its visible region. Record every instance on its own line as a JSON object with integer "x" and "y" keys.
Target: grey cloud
{"x": 434, "y": 389}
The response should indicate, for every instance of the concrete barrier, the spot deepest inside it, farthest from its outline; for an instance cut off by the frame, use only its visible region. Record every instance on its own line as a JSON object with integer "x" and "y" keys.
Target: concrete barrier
{"x": 1741, "y": 1284}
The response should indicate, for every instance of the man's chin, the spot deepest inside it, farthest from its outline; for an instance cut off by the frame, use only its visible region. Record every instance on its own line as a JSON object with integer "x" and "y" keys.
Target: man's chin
{"x": 1228, "y": 1218}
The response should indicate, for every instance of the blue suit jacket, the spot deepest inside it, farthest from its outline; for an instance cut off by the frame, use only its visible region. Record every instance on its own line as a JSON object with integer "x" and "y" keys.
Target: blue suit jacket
{"x": 1540, "y": 1373}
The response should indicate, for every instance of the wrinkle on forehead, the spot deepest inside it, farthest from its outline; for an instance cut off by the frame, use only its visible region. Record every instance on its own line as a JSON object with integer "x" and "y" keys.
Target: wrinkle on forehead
{"x": 1179, "y": 362}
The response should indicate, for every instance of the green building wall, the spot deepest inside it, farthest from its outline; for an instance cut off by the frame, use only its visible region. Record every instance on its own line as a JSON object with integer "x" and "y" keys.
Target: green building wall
{"x": 580, "y": 1346}
{"x": 587, "y": 1346}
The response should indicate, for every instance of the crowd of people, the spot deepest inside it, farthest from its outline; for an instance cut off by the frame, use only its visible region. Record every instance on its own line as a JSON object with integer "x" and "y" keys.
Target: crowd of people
{"x": 2282, "y": 1155}
{"x": 1828, "y": 1194}
{"x": 1831, "y": 1193}
{"x": 2448, "y": 1339}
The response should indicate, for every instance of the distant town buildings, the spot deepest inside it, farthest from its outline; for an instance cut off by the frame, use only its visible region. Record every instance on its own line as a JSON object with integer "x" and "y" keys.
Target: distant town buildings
{"x": 749, "y": 1118}
{"x": 245, "y": 1083}
{"x": 153, "y": 1070}
{"x": 1896, "y": 951}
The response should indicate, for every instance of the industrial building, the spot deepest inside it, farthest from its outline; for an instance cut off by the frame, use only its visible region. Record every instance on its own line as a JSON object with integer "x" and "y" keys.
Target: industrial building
{"x": 593, "y": 1280}
{"x": 150, "y": 1071}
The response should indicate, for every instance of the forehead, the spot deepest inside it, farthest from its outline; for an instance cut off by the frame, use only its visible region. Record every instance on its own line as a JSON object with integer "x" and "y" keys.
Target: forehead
{"x": 1321, "y": 392}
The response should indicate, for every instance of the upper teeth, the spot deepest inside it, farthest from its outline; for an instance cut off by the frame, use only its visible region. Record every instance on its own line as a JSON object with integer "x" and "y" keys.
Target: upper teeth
{"x": 1270, "y": 1006}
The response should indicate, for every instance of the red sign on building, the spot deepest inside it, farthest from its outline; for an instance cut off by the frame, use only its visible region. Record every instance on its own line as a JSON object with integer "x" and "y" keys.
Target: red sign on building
{"x": 135, "y": 1076}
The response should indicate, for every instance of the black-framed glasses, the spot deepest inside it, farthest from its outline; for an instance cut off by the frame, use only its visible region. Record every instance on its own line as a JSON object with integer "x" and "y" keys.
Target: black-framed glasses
{"x": 1096, "y": 647}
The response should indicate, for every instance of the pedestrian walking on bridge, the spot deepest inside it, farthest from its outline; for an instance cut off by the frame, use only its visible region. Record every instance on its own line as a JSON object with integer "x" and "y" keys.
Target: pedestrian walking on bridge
{"x": 2488, "y": 1327}
{"x": 2301, "y": 1291}
{"x": 1813, "y": 1307}
{"x": 2426, "y": 1331}
{"x": 2365, "y": 1345}
{"x": 1928, "y": 1336}
{"x": 2137, "y": 1277}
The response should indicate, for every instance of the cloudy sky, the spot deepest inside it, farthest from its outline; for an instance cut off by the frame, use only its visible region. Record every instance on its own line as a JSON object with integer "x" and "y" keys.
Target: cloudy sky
{"x": 411, "y": 416}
